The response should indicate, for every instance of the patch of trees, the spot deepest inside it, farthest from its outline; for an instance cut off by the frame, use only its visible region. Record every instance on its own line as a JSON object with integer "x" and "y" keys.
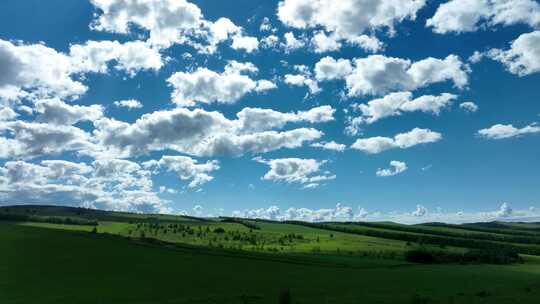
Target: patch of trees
{"x": 490, "y": 228}
{"x": 474, "y": 256}
{"x": 216, "y": 236}
{"x": 241, "y": 222}
{"x": 12, "y": 217}
{"x": 425, "y": 239}
{"x": 156, "y": 228}
{"x": 535, "y": 239}
{"x": 219, "y": 230}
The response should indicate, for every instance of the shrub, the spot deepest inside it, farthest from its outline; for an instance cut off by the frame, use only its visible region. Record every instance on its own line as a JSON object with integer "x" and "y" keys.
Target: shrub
{"x": 480, "y": 256}
{"x": 491, "y": 256}
{"x": 420, "y": 256}
{"x": 219, "y": 230}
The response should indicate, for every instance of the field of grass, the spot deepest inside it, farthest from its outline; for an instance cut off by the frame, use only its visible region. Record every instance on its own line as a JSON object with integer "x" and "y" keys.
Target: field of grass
{"x": 269, "y": 237}
{"x": 272, "y": 237}
{"x": 135, "y": 258}
{"x": 261, "y": 237}
{"x": 62, "y": 266}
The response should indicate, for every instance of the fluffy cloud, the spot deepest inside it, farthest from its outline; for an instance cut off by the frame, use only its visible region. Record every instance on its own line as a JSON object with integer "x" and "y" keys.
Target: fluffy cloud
{"x": 186, "y": 168}
{"x": 339, "y": 213}
{"x": 330, "y": 145}
{"x": 197, "y": 210}
{"x": 271, "y": 213}
{"x": 269, "y": 41}
{"x": 255, "y": 119}
{"x": 167, "y": 21}
{"x": 523, "y": 57}
{"x": 323, "y": 43}
{"x": 416, "y": 136}
{"x": 235, "y": 67}
{"x": 106, "y": 184}
{"x": 420, "y": 211}
{"x": 215, "y": 33}
{"x": 201, "y": 133}
{"x": 368, "y": 43}
{"x": 504, "y": 211}
{"x": 378, "y": 74}
{"x": 397, "y": 168}
{"x": 500, "y": 131}
{"x": 469, "y": 106}
{"x": 35, "y": 70}
{"x": 296, "y": 170}
{"x": 129, "y": 104}
{"x": 291, "y": 42}
{"x": 7, "y": 114}
{"x": 266, "y": 26}
{"x": 347, "y": 19}
{"x": 38, "y": 72}
{"x": 163, "y": 189}
{"x": 20, "y": 139}
{"x": 55, "y": 111}
{"x": 132, "y": 57}
{"x": 397, "y": 103}
{"x": 328, "y": 68}
{"x": 470, "y": 15}
{"x": 432, "y": 70}
{"x": 206, "y": 86}
{"x": 265, "y": 85}
{"x": 302, "y": 80}
{"x": 246, "y": 43}
{"x": 419, "y": 215}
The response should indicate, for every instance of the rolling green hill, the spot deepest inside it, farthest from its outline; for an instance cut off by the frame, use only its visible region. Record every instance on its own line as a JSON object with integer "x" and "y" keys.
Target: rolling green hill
{"x": 135, "y": 258}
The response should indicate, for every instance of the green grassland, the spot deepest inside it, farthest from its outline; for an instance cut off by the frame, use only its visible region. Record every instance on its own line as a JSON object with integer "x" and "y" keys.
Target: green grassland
{"x": 136, "y": 258}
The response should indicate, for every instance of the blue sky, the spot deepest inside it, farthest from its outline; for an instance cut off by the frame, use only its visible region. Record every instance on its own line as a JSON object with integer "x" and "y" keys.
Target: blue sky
{"x": 432, "y": 108}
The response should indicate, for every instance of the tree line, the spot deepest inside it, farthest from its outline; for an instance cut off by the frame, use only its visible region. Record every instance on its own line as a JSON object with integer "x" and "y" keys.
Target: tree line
{"x": 11, "y": 217}
{"x": 426, "y": 239}
{"x": 535, "y": 239}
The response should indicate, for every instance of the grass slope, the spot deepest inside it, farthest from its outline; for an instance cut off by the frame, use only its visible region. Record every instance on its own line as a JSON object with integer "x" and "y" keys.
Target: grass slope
{"x": 61, "y": 266}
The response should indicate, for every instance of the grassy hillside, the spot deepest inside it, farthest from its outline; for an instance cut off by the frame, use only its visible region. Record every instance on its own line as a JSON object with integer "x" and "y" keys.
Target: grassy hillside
{"x": 73, "y": 255}
{"x": 260, "y": 236}
{"x": 61, "y": 266}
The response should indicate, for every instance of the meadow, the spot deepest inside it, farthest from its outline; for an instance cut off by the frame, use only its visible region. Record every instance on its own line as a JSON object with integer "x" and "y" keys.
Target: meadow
{"x": 108, "y": 257}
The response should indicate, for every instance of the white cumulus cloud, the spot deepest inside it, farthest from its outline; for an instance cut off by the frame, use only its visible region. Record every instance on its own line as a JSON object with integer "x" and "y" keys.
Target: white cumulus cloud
{"x": 128, "y": 103}
{"x": 347, "y": 19}
{"x": 206, "y": 86}
{"x": 330, "y": 145}
{"x": 470, "y": 15}
{"x": 378, "y": 74}
{"x": 416, "y": 136}
{"x": 397, "y": 103}
{"x": 397, "y": 168}
{"x": 296, "y": 170}
{"x": 187, "y": 168}
{"x": 469, "y": 106}
{"x": 500, "y": 131}
{"x": 55, "y": 111}
{"x": 420, "y": 211}
{"x": 131, "y": 57}
{"x": 329, "y": 68}
{"x": 37, "y": 70}
{"x": 201, "y": 133}
{"x": 523, "y": 56}
{"x": 106, "y": 184}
